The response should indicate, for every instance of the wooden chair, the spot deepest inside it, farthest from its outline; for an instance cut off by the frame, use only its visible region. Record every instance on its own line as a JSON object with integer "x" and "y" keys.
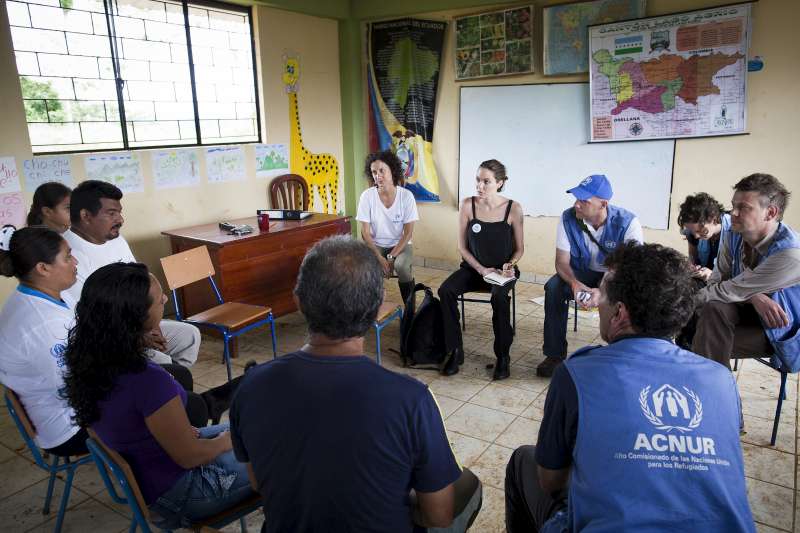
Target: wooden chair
{"x": 387, "y": 313}
{"x": 231, "y": 319}
{"x": 289, "y": 191}
{"x": 109, "y": 461}
{"x": 28, "y": 432}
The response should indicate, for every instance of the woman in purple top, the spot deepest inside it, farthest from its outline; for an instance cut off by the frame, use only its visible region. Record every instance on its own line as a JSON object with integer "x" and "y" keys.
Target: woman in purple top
{"x": 185, "y": 473}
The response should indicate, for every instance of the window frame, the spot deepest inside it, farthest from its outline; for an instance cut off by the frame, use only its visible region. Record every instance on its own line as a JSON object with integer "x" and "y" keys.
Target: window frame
{"x": 185, "y": 4}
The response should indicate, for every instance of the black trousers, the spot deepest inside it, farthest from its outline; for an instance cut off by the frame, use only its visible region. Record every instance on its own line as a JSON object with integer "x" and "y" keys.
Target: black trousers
{"x": 528, "y": 507}
{"x": 557, "y": 294}
{"x": 465, "y": 279}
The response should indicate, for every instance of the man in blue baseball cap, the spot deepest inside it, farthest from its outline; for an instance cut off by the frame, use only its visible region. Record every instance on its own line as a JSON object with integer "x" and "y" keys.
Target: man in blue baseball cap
{"x": 587, "y": 232}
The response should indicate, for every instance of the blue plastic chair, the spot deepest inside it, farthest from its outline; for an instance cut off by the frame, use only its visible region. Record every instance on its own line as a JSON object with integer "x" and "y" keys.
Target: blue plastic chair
{"x": 230, "y": 319}
{"x": 28, "y": 432}
{"x": 387, "y": 313}
{"x": 108, "y": 460}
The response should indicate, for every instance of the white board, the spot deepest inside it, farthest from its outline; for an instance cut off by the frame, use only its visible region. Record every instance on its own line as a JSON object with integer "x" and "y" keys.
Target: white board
{"x": 540, "y": 133}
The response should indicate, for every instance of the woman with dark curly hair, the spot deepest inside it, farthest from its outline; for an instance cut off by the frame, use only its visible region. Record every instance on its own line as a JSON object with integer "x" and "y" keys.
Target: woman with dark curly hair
{"x": 702, "y": 220}
{"x": 387, "y": 212}
{"x": 50, "y": 206}
{"x": 185, "y": 474}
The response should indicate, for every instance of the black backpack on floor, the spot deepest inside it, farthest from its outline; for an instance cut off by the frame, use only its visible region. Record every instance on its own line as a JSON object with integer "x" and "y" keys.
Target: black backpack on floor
{"x": 422, "y": 337}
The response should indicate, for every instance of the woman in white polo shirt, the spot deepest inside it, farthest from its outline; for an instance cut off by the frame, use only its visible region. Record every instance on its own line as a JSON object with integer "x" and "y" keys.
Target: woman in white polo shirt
{"x": 387, "y": 212}
{"x": 34, "y": 324}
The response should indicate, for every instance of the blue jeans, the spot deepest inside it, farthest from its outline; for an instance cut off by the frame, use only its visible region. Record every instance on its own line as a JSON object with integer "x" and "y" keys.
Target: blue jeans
{"x": 204, "y": 490}
{"x": 557, "y": 294}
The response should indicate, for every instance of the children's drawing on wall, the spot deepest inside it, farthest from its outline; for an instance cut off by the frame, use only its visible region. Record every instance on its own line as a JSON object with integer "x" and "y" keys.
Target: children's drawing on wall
{"x": 272, "y": 160}
{"x": 321, "y": 171}
{"x": 175, "y": 168}
{"x": 225, "y": 163}
{"x": 122, "y": 170}
{"x": 44, "y": 169}
{"x": 404, "y": 60}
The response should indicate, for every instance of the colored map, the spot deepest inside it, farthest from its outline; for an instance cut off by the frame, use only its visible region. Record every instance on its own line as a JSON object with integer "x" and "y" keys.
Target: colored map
{"x": 673, "y": 76}
{"x": 565, "y": 31}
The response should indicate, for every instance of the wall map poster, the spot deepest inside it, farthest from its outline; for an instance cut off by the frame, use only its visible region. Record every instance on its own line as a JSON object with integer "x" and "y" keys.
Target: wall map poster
{"x": 565, "y": 31}
{"x": 494, "y": 44}
{"x": 404, "y": 61}
{"x": 680, "y": 75}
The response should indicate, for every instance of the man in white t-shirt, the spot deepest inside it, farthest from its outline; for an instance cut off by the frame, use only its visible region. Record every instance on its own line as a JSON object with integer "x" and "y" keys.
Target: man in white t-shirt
{"x": 387, "y": 212}
{"x": 587, "y": 232}
{"x": 96, "y": 214}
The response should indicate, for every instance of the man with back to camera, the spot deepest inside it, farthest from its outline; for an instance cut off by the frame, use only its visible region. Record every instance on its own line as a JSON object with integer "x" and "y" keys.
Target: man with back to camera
{"x": 96, "y": 215}
{"x": 751, "y": 305}
{"x": 639, "y": 435}
{"x": 587, "y": 232}
{"x": 350, "y": 446}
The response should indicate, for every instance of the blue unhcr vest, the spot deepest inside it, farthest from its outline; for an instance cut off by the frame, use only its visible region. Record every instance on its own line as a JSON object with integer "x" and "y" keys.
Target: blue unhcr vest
{"x": 704, "y": 246}
{"x": 613, "y": 233}
{"x": 785, "y": 341}
{"x": 658, "y": 442}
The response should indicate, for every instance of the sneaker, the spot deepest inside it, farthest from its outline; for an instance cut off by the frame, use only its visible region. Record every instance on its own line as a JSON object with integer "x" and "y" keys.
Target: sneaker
{"x": 548, "y": 366}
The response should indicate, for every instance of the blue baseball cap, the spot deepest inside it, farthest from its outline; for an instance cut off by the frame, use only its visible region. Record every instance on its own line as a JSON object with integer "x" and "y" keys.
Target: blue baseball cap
{"x": 595, "y": 185}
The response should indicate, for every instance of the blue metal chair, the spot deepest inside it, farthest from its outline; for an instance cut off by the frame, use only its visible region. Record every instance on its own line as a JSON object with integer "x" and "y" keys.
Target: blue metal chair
{"x": 781, "y": 391}
{"x": 28, "y": 432}
{"x": 108, "y": 460}
{"x": 387, "y": 313}
{"x": 230, "y": 319}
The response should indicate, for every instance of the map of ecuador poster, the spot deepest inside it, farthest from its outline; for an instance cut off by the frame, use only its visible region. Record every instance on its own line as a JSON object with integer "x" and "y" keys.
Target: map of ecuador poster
{"x": 680, "y": 75}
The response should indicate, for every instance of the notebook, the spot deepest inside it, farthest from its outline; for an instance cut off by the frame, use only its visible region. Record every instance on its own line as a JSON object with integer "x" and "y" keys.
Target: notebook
{"x": 497, "y": 279}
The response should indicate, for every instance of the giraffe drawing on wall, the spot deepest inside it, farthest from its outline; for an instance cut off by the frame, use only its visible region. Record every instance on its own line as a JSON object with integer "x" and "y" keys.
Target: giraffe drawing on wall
{"x": 321, "y": 171}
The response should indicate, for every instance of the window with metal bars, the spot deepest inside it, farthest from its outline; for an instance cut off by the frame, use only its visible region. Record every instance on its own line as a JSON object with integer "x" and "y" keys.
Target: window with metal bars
{"x": 127, "y": 74}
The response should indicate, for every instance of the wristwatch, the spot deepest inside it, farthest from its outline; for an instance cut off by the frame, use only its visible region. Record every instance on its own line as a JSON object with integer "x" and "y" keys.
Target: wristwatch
{"x": 389, "y": 257}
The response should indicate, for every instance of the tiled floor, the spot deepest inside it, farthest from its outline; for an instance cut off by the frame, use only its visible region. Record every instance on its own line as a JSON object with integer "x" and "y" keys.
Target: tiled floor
{"x": 485, "y": 422}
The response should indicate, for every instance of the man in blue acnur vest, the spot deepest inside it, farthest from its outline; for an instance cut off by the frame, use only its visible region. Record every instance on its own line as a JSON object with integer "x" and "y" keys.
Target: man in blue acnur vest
{"x": 751, "y": 305}
{"x": 639, "y": 435}
{"x": 586, "y": 232}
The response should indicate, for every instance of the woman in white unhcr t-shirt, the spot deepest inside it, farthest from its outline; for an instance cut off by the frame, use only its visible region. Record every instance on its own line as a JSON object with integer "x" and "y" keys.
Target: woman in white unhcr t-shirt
{"x": 34, "y": 323}
{"x": 387, "y": 212}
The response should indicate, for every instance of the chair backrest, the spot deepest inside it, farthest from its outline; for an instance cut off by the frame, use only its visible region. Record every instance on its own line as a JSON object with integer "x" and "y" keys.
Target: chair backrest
{"x": 109, "y": 460}
{"x": 184, "y": 268}
{"x": 24, "y": 424}
{"x": 288, "y": 191}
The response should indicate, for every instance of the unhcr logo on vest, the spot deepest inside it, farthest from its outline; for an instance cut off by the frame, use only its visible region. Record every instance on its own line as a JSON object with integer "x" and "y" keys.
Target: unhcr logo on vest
{"x": 669, "y": 408}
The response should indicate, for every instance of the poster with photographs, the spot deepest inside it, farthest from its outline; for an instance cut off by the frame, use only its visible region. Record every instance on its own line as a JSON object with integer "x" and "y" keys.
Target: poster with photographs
{"x": 497, "y": 43}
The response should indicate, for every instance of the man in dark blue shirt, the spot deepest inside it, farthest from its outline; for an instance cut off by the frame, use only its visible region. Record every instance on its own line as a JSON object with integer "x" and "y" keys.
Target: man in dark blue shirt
{"x": 335, "y": 442}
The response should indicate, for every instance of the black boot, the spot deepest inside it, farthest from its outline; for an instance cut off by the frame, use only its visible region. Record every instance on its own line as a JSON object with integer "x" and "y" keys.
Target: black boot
{"x": 451, "y": 366}
{"x": 406, "y": 288}
{"x": 218, "y": 399}
{"x": 501, "y": 368}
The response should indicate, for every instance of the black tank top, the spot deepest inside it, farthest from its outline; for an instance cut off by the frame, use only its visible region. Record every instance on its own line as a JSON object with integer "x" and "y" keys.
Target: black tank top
{"x": 491, "y": 243}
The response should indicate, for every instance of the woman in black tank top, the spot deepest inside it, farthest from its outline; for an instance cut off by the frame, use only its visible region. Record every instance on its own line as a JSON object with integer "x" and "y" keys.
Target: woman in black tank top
{"x": 490, "y": 241}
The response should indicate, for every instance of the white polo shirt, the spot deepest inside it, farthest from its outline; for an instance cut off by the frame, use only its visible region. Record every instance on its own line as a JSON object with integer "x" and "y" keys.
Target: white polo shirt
{"x": 33, "y": 333}
{"x": 92, "y": 256}
{"x": 386, "y": 224}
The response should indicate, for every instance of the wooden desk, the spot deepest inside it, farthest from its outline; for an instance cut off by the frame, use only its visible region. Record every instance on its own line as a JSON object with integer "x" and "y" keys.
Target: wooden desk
{"x": 258, "y": 268}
